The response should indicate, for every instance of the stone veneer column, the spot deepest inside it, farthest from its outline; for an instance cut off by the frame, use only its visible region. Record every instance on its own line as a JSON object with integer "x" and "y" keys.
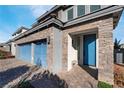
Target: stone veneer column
{"x": 105, "y": 65}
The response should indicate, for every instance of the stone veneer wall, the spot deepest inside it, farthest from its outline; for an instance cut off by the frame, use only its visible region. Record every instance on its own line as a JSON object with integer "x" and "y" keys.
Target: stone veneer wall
{"x": 106, "y": 51}
{"x": 41, "y": 35}
{"x": 105, "y": 46}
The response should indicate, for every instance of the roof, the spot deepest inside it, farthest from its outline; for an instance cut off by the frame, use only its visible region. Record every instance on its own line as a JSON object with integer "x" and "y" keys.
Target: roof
{"x": 54, "y": 8}
{"x": 103, "y": 12}
{"x": 19, "y": 30}
{"x": 122, "y": 45}
{"x": 3, "y": 44}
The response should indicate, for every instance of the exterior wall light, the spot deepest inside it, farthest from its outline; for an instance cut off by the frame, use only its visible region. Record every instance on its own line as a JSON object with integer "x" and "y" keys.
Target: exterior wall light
{"x": 48, "y": 40}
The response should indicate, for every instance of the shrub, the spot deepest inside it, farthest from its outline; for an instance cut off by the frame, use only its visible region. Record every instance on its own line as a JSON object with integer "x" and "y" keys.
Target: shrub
{"x": 1, "y": 56}
{"x": 103, "y": 85}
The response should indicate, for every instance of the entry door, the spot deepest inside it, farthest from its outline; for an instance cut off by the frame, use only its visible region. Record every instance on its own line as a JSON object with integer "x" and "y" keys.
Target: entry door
{"x": 40, "y": 53}
{"x": 90, "y": 50}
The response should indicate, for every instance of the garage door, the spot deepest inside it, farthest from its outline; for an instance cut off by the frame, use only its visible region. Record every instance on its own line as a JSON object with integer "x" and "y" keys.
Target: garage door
{"x": 40, "y": 52}
{"x": 25, "y": 52}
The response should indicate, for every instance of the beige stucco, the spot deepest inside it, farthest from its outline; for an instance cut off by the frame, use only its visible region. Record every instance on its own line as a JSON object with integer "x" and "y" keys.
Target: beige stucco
{"x": 13, "y": 48}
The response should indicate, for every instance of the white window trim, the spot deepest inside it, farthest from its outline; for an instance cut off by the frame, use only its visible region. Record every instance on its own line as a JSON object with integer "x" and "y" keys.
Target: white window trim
{"x": 66, "y": 12}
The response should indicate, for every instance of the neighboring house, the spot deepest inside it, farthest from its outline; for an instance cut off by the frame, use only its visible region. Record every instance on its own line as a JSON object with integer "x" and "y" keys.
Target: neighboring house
{"x": 19, "y": 31}
{"x": 68, "y": 35}
{"x": 119, "y": 55}
{"x": 122, "y": 46}
{"x": 5, "y": 47}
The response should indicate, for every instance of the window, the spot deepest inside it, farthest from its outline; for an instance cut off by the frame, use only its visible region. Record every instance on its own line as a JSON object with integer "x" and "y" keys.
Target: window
{"x": 94, "y": 8}
{"x": 80, "y": 10}
{"x": 70, "y": 14}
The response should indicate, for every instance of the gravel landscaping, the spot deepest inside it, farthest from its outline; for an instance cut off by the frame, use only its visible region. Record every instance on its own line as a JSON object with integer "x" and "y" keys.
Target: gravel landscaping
{"x": 119, "y": 75}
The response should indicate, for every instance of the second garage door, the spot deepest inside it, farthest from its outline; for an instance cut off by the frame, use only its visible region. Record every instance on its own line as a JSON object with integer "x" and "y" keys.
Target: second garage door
{"x": 40, "y": 52}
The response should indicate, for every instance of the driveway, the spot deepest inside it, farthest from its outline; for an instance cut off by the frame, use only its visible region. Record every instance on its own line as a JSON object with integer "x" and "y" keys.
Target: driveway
{"x": 11, "y": 69}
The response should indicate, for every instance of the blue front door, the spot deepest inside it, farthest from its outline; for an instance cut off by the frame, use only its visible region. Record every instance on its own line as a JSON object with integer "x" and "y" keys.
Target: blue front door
{"x": 40, "y": 50}
{"x": 90, "y": 50}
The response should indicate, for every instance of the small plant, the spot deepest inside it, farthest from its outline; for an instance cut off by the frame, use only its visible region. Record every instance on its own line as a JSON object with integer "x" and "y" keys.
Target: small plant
{"x": 1, "y": 56}
{"x": 117, "y": 44}
{"x": 103, "y": 85}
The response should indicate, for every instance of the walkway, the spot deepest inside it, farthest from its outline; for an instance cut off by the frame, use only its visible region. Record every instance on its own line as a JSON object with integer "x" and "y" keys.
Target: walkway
{"x": 79, "y": 78}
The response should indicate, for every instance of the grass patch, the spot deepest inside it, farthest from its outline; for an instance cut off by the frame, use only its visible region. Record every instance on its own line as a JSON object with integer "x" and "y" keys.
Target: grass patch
{"x": 103, "y": 85}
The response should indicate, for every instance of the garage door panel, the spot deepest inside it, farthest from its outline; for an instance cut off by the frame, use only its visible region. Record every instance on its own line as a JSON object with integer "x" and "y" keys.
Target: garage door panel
{"x": 40, "y": 50}
{"x": 25, "y": 52}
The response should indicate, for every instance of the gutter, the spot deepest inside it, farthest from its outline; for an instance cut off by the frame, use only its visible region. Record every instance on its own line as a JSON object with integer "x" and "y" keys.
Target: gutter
{"x": 51, "y": 21}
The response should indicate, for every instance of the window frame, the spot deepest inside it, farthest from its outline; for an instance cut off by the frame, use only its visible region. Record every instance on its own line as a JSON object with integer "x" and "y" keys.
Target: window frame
{"x": 67, "y": 13}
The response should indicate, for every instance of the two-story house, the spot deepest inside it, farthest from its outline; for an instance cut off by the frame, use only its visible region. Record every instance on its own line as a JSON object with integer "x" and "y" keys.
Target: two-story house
{"x": 18, "y": 32}
{"x": 67, "y": 35}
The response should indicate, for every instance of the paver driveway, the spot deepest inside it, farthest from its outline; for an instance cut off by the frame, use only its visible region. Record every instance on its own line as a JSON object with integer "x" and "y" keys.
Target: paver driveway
{"x": 10, "y": 69}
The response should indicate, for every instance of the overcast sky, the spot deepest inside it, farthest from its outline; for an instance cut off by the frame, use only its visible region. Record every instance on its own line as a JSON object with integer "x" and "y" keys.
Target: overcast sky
{"x": 12, "y": 17}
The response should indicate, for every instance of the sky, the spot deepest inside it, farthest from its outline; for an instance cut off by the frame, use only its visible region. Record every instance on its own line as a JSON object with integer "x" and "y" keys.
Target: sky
{"x": 13, "y": 17}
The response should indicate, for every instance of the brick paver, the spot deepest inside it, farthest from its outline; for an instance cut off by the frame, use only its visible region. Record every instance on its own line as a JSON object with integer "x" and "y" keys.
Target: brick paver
{"x": 11, "y": 69}
{"x": 78, "y": 78}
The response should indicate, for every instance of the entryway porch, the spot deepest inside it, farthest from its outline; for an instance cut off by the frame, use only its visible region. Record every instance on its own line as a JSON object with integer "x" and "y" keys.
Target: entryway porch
{"x": 83, "y": 51}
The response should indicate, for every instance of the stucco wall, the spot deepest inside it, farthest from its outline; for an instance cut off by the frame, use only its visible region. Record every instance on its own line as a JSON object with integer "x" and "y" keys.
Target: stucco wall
{"x": 57, "y": 50}
{"x": 13, "y": 48}
{"x": 72, "y": 52}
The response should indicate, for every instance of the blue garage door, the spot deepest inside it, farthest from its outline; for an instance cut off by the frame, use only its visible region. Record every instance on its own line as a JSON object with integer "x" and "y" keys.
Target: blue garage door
{"x": 90, "y": 50}
{"x": 40, "y": 52}
{"x": 25, "y": 52}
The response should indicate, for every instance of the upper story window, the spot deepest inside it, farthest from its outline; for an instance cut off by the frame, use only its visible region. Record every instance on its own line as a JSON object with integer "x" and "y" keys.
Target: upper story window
{"x": 80, "y": 10}
{"x": 70, "y": 14}
{"x": 94, "y": 8}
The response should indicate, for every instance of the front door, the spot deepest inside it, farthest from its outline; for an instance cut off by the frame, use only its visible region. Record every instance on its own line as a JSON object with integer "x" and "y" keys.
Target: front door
{"x": 90, "y": 50}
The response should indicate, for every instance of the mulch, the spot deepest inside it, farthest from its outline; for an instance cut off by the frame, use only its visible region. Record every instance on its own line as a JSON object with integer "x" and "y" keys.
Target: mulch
{"x": 119, "y": 75}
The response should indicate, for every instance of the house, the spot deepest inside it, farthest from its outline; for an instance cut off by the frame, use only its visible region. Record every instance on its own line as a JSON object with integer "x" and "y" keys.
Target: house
{"x": 5, "y": 47}
{"x": 119, "y": 54}
{"x": 67, "y": 35}
{"x": 19, "y": 31}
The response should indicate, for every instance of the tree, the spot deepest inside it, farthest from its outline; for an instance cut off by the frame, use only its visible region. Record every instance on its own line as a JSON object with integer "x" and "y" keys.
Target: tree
{"x": 117, "y": 44}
